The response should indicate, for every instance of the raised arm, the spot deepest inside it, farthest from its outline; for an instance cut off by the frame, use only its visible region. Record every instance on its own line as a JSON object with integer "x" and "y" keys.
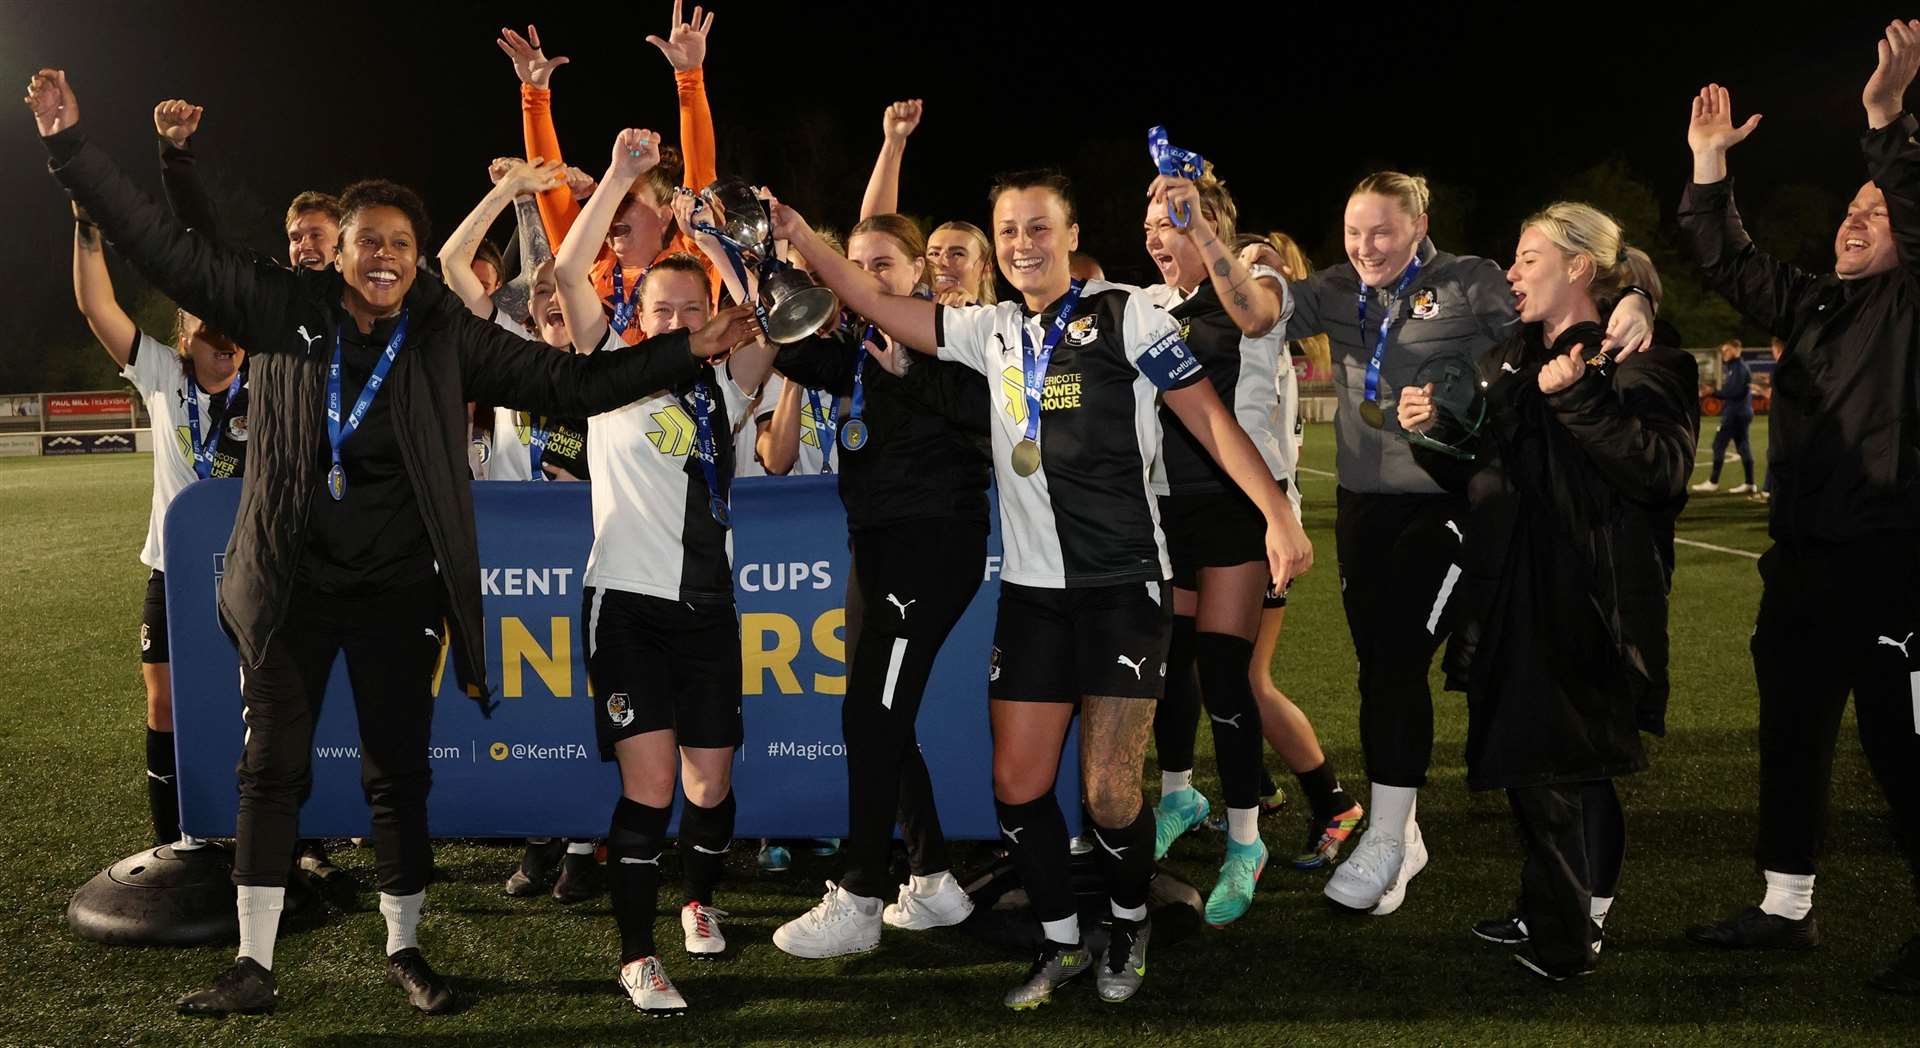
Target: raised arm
{"x": 635, "y": 152}
{"x": 1256, "y": 303}
{"x": 883, "y": 186}
{"x": 903, "y": 317}
{"x": 512, "y": 179}
{"x": 93, "y": 292}
{"x": 1764, "y": 289}
{"x": 1893, "y": 158}
{"x": 558, "y": 208}
{"x": 176, "y": 121}
{"x": 686, "y": 49}
{"x": 221, "y": 285}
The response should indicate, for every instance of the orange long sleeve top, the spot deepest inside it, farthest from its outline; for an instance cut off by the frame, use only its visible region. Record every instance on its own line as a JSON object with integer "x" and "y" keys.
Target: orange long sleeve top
{"x": 558, "y": 209}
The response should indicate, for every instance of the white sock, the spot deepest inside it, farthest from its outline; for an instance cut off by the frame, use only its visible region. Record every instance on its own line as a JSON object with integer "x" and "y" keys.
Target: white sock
{"x": 1789, "y": 895}
{"x": 1598, "y": 909}
{"x": 259, "y": 910}
{"x": 579, "y": 847}
{"x": 1392, "y": 810}
{"x": 1243, "y": 825}
{"x": 931, "y": 884}
{"x": 1128, "y": 913}
{"x": 1064, "y": 930}
{"x": 403, "y": 919}
{"x": 1172, "y": 782}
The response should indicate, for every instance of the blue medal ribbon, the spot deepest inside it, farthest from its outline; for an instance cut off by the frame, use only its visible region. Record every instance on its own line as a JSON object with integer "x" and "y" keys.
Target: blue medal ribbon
{"x": 624, "y": 305}
{"x": 853, "y": 436}
{"x": 1033, "y": 365}
{"x": 707, "y": 450}
{"x": 826, "y": 423}
{"x": 203, "y": 450}
{"x": 537, "y": 436}
{"x": 339, "y": 429}
{"x": 1386, "y": 324}
{"x": 1174, "y": 162}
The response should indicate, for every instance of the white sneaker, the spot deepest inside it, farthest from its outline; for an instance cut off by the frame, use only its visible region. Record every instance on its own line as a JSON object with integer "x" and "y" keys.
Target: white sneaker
{"x": 645, "y": 984}
{"x": 1742, "y": 489}
{"x": 1705, "y": 486}
{"x": 702, "y": 927}
{"x": 944, "y": 904}
{"x": 839, "y": 924}
{"x": 1411, "y": 864}
{"x": 1369, "y": 872}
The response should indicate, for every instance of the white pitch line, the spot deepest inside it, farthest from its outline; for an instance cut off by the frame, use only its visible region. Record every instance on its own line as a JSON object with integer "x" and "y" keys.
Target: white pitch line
{"x": 1717, "y": 549}
{"x": 1315, "y": 472}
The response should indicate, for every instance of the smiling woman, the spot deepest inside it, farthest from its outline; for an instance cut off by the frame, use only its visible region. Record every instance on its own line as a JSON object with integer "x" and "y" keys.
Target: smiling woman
{"x": 375, "y": 554}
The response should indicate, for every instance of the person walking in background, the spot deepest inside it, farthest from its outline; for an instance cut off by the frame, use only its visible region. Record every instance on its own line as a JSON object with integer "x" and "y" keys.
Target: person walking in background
{"x": 1736, "y": 417}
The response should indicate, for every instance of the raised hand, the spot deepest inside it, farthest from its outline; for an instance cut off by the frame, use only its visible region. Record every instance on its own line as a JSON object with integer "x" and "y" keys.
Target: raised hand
{"x": 176, "y": 120}
{"x": 788, "y": 225}
{"x": 686, "y": 43}
{"x": 1886, "y": 90}
{"x": 524, "y": 178}
{"x": 581, "y": 183}
{"x": 635, "y": 152}
{"x": 51, "y": 98}
{"x": 1711, "y": 129}
{"x": 901, "y": 118}
{"x": 1180, "y": 198}
{"x": 530, "y": 63}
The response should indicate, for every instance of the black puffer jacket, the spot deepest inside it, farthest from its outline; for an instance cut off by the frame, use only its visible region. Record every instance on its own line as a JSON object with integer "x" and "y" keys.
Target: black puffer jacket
{"x": 1560, "y": 629}
{"x": 287, "y": 322}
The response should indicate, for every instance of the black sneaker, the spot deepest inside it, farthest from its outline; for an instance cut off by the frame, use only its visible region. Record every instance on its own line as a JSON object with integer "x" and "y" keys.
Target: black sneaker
{"x": 1755, "y": 929}
{"x": 335, "y": 885}
{"x": 536, "y": 865}
{"x": 426, "y": 989}
{"x": 244, "y": 989}
{"x": 1507, "y": 931}
{"x": 579, "y": 878}
{"x": 1904, "y": 975}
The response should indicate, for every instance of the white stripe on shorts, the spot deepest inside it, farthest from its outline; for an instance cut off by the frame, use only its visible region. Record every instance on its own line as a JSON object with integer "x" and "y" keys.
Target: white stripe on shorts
{"x": 593, "y": 622}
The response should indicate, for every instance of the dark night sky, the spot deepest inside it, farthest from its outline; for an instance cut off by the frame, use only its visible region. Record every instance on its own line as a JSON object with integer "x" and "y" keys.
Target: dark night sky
{"x": 1495, "y": 108}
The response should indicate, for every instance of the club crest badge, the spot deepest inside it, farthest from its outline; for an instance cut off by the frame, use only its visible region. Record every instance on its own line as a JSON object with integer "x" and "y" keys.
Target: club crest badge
{"x": 619, "y": 709}
{"x": 1082, "y": 331}
{"x": 993, "y": 664}
{"x": 237, "y": 427}
{"x": 1426, "y": 304}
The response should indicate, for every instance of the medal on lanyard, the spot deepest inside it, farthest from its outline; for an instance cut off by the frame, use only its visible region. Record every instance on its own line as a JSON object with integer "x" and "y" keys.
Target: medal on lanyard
{"x": 853, "y": 432}
{"x": 1033, "y": 366}
{"x": 203, "y": 451}
{"x": 338, "y": 428}
{"x": 1174, "y": 162}
{"x": 537, "y": 436}
{"x": 1370, "y": 409}
{"x": 624, "y": 305}
{"x": 707, "y": 450}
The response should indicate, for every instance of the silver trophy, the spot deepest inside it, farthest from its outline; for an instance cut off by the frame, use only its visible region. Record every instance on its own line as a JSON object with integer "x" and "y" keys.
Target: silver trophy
{"x": 791, "y": 305}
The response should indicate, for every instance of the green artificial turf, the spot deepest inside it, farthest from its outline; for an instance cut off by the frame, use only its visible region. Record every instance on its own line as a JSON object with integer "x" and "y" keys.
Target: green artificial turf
{"x": 72, "y": 800}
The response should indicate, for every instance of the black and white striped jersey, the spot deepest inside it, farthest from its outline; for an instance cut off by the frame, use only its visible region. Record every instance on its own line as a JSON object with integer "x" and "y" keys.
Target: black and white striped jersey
{"x": 1087, "y": 516}
{"x": 652, "y": 530}
{"x": 1253, "y": 377}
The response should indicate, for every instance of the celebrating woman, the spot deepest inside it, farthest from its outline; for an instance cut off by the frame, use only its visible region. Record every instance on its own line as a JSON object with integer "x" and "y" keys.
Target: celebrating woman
{"x": 1075, "y": 370}
{"x": 913, "y": 475}
{"x": 355, "y": 529}
{"x": 1560, "y": 637}
{"x": 959, "y": 258}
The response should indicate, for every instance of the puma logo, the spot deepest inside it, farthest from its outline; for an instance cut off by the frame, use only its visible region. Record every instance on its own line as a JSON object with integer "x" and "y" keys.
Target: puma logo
{"x": 1111, "y": 850}
{"x": 1509, "y": 368}
{"x": 895, "y": 601}
{"x": 159, "y": 778}
{"x": 709, "y": 851}
{"x": 1455, "y": 528}
{"x": 1902, "y": 645}
{"x": 1013, "y": 834}
{"x": 432, "y": 635}
{"x": 310, "y": 339}
{"x": 1232, "y": 722}
{"x": 631, "y": 861}
{"x": 1132, "y": 665}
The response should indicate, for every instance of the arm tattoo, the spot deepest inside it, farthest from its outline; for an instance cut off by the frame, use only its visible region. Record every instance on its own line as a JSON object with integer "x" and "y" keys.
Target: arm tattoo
{"x": 533, "y": 234}
{"x": 89, "y": 236}
{"x": 1239, "y": 300}
{"x": 1221, "y": 267}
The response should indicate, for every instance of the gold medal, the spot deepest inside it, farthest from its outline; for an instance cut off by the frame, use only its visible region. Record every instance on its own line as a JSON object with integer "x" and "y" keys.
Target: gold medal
{"x": 1372, "y": 414}
{"x": 1026, "y": 458}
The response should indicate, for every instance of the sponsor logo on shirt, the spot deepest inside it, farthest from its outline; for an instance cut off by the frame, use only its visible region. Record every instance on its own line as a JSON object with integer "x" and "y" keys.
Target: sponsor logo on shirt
{"x": 674, "y": 436}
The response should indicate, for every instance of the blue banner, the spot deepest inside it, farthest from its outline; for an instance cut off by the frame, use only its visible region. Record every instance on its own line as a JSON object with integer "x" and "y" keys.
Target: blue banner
{"x": 532, "y": 769}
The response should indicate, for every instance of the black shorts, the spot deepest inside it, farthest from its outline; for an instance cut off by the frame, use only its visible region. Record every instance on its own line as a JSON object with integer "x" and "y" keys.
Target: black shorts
{"x": 1274, "y": 598}
{"x": 660, "y": 665}
{"x": 1056, "y": 645}
{"x": 153, "y": 622}
{"x": 1212, "y": 531}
